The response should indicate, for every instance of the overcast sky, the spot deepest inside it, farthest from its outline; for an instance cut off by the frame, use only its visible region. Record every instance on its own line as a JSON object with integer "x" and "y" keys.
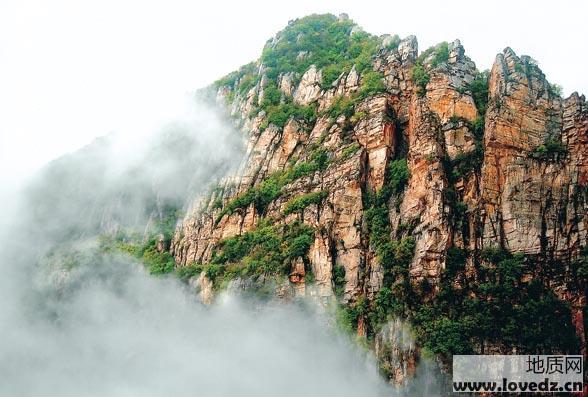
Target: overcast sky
{"x": 74, "y": 70}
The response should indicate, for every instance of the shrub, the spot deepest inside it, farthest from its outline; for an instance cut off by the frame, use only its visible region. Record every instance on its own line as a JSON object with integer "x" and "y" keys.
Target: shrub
{"x": 491, "y": 311}
{"x": 298, "y": 204}
{"x": 299, "y": 246}
{"x": 479, "y": 89}
{"x": 494, "y": 254}
{"x": 371, "y": 84}
{"x": 279, "y": 114}
{"x": 394, "y": 42}
{"x": 350, "y": 150}
{"x": 455, "y": 261}
{"x": 342, "y": 106}
{"x": 232, "y": 78}
{"x": 442, "y": 335}
{"x": 247, "y": 83}
{"x": 156, "y": 262}
{"x": 556, "y": 90}
{"x": 348, "y": 317}
{"x": 328, "y": 44}
{"x": 184, "y": 273}
{"x": 271, "y": 95}
{"x": 421, "y": 78}
{"x": 478, "y": 127}
{"x": 399, "y": 175}
{"x": 267, "y": 249}
{"x": 395, "y": 257}
{"x": 271, "y": 188}
{"x": 339, "y": 279}
{"x": 551, "y": 150}
{"x": 464, "y": 163}
{"x": 330, "y": 74}
{"x": 419, "y": 74}
{"x": 385, "y": 307}
{"x": 441, "y": 53}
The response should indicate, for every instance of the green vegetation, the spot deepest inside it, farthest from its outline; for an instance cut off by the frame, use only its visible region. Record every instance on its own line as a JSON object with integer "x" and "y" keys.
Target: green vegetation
{"x": 156, "y": 262}
{"x": 394, "y": 255}
{"x": 271, "y": 188}
{"x": 330, "y": 74}
{"x": 184, "y": 273}
{"x": 234, "y": 77}
{"x": 551, "y": 150}
{"x": 350, "y": 150}
{"x": 323, "y": 41}
{"x": 393, "y": 43}
{"x": 399, "y": 174}
{"x": 580, "y": 266}
{"x": 342, "y": 106}
{"x": 385, "y": 307}
{"x": 419, "y": 74}
{"x": 268, "y": 249}
{"x": 298, "y": 204}
{"x": 279, "y": 110}
{"x": 144, "y": 248}
{"x": 479, "y": 89}
{"x": 348, "y": 316}
{"x": 371, "y": 84}
{"x": 555, "y": 90}
{"x": 320, "y": 40}
{"x": 441, "y": 52}
{"x": 165, "y": 219}
{"x": 464, "y": 163}
{"x": 339, "y": 279}
{"x": 421, "y": 78}
{"x": 455, "y": 261}
{"x": 463, "y": 320}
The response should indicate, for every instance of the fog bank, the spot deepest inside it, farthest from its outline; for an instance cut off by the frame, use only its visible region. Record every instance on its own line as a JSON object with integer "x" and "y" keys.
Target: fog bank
{"x": 108, "y": 329}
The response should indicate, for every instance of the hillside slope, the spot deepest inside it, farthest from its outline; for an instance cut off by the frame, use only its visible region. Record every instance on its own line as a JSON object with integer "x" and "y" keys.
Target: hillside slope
{"x": 411, "y": 188}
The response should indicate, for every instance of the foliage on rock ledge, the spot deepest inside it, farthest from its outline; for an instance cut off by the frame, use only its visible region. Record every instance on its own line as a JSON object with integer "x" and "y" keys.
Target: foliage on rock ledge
{"x": 333, "y": 45}
{"x": 326, "y": 41}
{"x": 394, "y": 254}
{"x": 503, "y": 308}
{"x": 144, "y": 248}
{"x": 299, "y": 203}
{"x": 269, "y": 249}
{"x": 270, "y": 188}
{"x": 550, "y": 151}
{"x": 435, "y": 55}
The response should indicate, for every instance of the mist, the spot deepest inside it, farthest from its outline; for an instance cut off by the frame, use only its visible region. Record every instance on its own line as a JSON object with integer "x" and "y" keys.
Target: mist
{"x": 76, "y": 321}
{"x": 110, "y": 329}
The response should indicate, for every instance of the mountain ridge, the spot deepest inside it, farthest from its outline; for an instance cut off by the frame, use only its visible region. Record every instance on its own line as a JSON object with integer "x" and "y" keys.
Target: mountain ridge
{"x": 404, "y": 186}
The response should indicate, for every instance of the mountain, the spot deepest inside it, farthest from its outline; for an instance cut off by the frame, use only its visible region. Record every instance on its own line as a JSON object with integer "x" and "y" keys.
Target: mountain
{"x": 443, "y": 209}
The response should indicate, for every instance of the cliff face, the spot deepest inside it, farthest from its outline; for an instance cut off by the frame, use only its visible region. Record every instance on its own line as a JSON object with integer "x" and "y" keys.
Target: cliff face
{"x": 533, "y": 204}
{"x": 453, "y": 165}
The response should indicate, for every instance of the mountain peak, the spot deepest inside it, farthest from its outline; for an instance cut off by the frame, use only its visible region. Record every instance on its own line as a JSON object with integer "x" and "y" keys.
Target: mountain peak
{"x": 397, "y": 184}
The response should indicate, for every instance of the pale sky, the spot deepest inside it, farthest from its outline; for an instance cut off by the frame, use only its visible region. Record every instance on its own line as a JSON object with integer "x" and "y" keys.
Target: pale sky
{"x": 74, "y": 70}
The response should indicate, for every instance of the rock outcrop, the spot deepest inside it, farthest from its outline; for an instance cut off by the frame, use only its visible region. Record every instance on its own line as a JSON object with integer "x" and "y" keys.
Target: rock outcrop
{"x": 533, "y": 204}
{"x": 528, "y": 194}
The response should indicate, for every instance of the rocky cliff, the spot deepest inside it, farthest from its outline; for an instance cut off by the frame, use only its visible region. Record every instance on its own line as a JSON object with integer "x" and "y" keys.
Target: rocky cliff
{"x": 388, "y": 180}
